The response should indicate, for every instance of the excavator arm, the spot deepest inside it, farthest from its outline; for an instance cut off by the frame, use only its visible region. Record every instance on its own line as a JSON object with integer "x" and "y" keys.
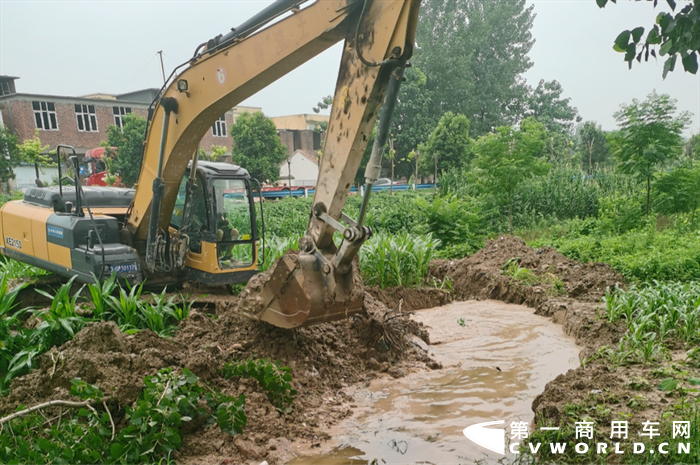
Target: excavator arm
{"x": 321, "y": 283}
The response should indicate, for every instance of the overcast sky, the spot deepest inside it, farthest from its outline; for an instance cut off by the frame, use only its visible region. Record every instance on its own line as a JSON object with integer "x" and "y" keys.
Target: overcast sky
{"x": 85, "y": 47}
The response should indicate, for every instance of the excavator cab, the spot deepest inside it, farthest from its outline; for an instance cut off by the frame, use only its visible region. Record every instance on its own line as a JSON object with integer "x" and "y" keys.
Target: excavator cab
{"x": 221, "y": 227}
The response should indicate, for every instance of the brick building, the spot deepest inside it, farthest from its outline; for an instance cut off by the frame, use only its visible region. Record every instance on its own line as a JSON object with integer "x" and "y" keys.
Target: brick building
{"x": 301, "y": 139}
{"x": 83, "y": 121}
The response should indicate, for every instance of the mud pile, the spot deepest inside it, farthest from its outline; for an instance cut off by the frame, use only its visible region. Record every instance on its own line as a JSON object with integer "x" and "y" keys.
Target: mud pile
{"x": 480, "y": 276}
{"x": 324, "y": 359}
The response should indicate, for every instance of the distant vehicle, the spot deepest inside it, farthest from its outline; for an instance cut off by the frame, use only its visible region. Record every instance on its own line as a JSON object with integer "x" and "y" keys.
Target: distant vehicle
{"x": 385, "y": 182}
{"x": 95, "y": 168}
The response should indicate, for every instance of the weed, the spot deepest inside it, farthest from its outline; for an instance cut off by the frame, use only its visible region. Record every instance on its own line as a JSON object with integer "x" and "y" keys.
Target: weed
{"x": 152, "y": 431}
{"x": 273, "y": 378}
{"x": 522, "y": 275}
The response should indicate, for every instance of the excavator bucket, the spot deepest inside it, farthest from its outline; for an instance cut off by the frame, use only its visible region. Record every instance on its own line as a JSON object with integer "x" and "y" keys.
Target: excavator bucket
{"x": 302, "y": 289}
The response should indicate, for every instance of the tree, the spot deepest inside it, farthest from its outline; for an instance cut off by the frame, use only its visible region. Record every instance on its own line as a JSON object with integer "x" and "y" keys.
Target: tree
{"x": 672, "y": 36}
{"x": 676, "y": 191}
{"x": 411, "y": 123}
{"x": 217, "y": 151}
{"x": 692, "y": 147}
{"x": 650, "y": 136}
{"x": 257, "y": 147}
{"x": 128, "y": 142}
{"x": 33, "y": 153}
{"x": 507, "y": 157}
{"x": 325, "y": 103}
{"x": 474, "y": 53}
{"x": 449, "y": 143}
{"x": 546, "y": 105}
{"x": 9, "y": 155}
{"x": 592, "y": 145}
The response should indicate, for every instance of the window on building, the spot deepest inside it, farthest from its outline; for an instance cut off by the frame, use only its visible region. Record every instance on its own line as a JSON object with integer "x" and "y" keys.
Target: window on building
{"x": 6, "y": 88}
{"x": 219, "y": 128}
{"x": 87, "y": 119}
{"x": 45, "y": 116}
{"x": 119, "y": 113}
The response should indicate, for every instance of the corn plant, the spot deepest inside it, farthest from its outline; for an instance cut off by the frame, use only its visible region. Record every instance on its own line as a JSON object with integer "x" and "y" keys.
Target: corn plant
{"x": 60, "y": 322}
{"x": 14, "y": 269}
{"x": 275, "y": 247}
{"x": 126, "y": 308}
{"x": 397, "y": 260}
{"x": 100, "y": 293}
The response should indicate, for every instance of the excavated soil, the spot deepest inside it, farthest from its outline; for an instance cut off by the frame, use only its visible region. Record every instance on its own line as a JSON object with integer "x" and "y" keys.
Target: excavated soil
{"x": 480, "y": 276}
{"x": 325, "y": 359}
{"x": 596, "y": 389}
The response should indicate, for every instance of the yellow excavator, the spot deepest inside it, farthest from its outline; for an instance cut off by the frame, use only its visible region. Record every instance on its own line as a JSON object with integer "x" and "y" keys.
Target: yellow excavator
{"x": 190, "y": 220}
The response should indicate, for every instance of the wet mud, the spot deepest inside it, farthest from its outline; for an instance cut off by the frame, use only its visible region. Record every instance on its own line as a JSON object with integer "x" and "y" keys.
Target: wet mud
{"x": 496, "y": 359}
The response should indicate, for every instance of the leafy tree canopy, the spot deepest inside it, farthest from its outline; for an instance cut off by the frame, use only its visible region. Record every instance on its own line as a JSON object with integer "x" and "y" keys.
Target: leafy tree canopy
{"x": 217, "y": 151}
{"x": 649, "y": 137}
{"x": 129, "y": 148}
{"x": 412, "y": 121}
{"x": 592, "y": 143}
{"x": 473, "y": 53}
{"x": 672, "y": 35}
{"x": 257, "y": 147}
{"x": 546, "y": 105}
{"x": 9, "y": 155}
{"x": 676, "y": 191}
{"x": 33, "y": 153}
{"x": 449, "y": 143}
{"x": 506, "y": 157}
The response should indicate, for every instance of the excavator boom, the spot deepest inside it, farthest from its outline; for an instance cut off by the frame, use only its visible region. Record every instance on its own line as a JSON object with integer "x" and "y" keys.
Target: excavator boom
{"x": 321, "y": 283}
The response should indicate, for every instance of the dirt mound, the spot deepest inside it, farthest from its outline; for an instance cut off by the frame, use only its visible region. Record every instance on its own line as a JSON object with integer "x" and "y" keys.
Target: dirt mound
{"x": 566, "y": 290}
{"x": 480, "y": 275}
{"x": 413, "y": 299}
{"x": 324, "y": 359}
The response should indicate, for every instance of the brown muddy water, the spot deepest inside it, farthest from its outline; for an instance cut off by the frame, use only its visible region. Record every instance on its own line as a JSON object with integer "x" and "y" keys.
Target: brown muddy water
{"x": 496, "y": 359}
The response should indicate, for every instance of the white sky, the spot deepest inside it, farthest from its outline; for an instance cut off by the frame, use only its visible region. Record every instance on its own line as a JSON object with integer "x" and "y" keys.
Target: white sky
{"x": 85, "y": 47}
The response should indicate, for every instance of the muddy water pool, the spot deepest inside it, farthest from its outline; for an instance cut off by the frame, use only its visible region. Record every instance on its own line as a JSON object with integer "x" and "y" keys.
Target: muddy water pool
{"x": 496, "y": 359}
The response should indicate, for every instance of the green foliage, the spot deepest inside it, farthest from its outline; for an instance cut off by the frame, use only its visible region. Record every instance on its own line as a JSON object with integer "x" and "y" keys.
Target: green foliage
{"x": 272, "y": 377}
{"x": 473, "y": 54}
{"x": 9, "y": 154}
{"x": 168, "y": 400}
{"x": 412, "y": 122}
{"x": 672, "y": 36}
{"x": 129, "y": 148}
{"x": 217, "y": 151}
{"x": 14, "y": 269}
{"x": 60, "y": 322}
{"x": 33, "y": 153}
{"x": 676, "y": 191}
{"x": 507, "y": 157}
{"x": 518, "y": 274}
{"x": 257, "y": 147}
{"x": 650, "y": 136}
{"x": 546, "y": 105}
{"x": 593, "y": 147}
{"x": 153, "y": 429}
{"x": 452, "y": 220}
{"x": 449, "y": 144}
{"x": 388, "y": 260}
{"x": 619, "y": 214}
{"x": 100, "y": 293}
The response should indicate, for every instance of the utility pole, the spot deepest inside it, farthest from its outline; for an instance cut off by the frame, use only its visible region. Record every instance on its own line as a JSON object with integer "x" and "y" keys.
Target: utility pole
{"x": 162, "y": 68}
{"x": 435, "y": 178}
